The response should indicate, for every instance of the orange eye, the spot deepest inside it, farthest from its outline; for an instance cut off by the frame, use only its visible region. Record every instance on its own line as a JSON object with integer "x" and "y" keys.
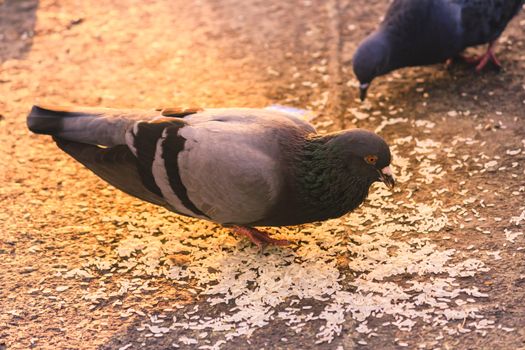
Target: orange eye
{"x": 371, "y": 159}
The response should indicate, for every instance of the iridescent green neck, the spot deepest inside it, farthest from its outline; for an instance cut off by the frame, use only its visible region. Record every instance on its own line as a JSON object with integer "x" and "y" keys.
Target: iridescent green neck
{"x": 325, "y": 181}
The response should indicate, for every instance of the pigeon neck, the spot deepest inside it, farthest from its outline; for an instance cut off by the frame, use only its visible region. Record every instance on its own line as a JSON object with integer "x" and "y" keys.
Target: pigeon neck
{"x": 380, "y": 53}
{"x": 327, "y": 186}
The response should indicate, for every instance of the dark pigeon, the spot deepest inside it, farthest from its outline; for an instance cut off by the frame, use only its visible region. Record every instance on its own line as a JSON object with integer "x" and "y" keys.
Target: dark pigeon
{"x": 423, "y": 32}
{"x": 236, "y": 167}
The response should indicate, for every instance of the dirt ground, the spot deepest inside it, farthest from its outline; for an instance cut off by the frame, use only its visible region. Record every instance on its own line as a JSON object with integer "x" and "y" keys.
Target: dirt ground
{"x": 57, "y": 218}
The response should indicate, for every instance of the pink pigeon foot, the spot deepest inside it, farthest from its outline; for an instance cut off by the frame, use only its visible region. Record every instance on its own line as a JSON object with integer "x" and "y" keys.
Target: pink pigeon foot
{"x": 482, "y": 61}
{"x": 259, "y": 238}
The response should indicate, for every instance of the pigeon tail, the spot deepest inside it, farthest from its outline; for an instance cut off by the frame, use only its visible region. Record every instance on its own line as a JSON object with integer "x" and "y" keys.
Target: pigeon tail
{"x": 95, "y": 126}
{"x": 45, "y": 120}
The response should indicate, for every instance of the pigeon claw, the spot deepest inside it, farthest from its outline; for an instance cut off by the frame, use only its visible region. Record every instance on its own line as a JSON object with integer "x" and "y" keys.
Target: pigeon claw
{"x": 259, "y": 238}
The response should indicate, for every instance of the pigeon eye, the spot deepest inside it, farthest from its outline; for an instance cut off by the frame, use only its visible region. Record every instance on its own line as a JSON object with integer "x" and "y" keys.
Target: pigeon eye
{"x": 371, "y": 159}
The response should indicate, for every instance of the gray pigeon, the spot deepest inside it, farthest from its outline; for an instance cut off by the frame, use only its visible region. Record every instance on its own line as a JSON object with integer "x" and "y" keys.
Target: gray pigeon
{"x": 237, "y": 167}
{"x": 423, "y": 32}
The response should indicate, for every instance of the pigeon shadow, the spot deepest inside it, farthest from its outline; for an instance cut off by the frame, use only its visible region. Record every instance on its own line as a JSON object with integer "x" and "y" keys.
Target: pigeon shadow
{"x": 17, "y": 23}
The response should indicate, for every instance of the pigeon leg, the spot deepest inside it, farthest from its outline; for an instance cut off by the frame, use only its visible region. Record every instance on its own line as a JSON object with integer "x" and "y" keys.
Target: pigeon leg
{"x": 482, "y": 61}
{"x": 261, "y": 239}
{"x": 448, "y": 63}
{"x": 488, "y": 56}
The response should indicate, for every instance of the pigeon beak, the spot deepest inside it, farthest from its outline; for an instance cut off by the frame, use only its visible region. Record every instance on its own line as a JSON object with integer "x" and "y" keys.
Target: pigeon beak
{"x": 363, "y": 88}
{"x": 387, "y": 177}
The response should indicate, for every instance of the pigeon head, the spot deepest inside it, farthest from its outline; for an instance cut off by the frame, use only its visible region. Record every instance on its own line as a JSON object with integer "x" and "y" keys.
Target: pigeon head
{"x": 371, "y": 59}
{"x": 335, "y": 172}
{"x": 365, "y": 154}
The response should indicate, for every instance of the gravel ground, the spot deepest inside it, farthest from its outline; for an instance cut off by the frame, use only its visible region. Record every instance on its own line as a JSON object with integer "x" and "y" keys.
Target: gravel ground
{"x": 439, "y": 263}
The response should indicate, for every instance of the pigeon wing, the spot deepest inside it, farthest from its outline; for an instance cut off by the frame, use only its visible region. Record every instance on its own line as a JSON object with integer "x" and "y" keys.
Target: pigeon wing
{"x": 484, "y": 21}
{"x": 116, "y": 165}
